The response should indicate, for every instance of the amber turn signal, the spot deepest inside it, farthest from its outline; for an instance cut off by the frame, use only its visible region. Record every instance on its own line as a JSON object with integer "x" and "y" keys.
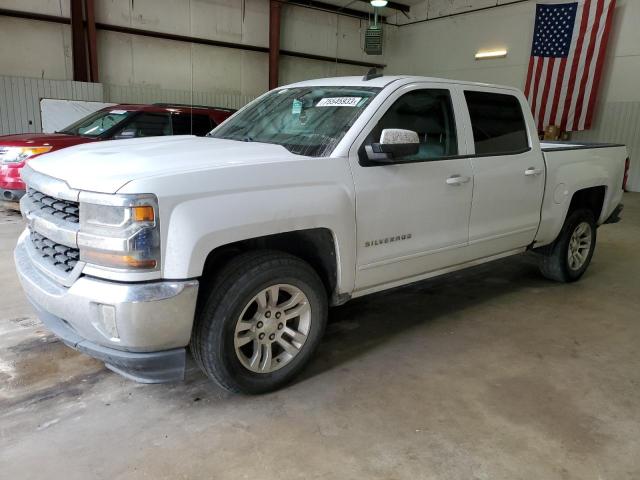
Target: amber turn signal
{"x": 115, "y": 260}
{"x": 143, "y": 214}
{"x": 31, "y": 151}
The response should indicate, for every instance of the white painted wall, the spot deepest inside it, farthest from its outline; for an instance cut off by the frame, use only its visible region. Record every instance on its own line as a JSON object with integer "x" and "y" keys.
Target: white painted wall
{"x": 322, "y": 33}
{"x": 446, "y": 47}
{"x": 42, "y": 52}
{"x": 143, "y": 61}
{"x": 57, "y": 114}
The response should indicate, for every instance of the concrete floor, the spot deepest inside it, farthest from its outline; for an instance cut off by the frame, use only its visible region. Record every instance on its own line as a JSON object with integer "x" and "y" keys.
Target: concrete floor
{"x": 493, "y": 373}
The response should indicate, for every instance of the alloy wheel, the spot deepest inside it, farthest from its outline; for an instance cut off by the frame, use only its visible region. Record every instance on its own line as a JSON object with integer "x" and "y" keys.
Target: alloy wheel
{"x": 579, "y": 246}
{"x": 272, "y": 328}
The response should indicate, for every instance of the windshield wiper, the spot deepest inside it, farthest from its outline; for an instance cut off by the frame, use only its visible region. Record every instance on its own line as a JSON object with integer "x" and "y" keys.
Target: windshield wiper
{"x": 247, "y": 139}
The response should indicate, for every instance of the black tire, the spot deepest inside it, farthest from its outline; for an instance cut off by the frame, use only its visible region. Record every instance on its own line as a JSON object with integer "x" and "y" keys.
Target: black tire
{"x": 554, "y": 263}
{"x": 212, "y": 341}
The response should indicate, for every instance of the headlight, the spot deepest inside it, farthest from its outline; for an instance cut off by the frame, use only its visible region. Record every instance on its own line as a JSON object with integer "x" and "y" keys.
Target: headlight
{"x": 119, "y": 231}
{"x": 20, "y": 154}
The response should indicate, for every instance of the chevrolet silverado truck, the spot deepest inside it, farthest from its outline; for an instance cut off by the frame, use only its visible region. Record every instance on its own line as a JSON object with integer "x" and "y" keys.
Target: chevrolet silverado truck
{"x": 235, "y": 245}
{"x": 109, "y": 123}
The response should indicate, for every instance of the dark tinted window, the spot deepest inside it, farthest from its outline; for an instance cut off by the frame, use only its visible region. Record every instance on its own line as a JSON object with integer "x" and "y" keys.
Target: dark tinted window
{"x": 182, "y": 124}
{"x": 497, "y": 122}
{"x": 428, "y": 113}
{"x": 149, "y": 125}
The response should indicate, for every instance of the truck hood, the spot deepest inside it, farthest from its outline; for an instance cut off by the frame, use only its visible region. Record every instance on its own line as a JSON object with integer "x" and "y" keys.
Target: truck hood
{"x": 107, "y": 166}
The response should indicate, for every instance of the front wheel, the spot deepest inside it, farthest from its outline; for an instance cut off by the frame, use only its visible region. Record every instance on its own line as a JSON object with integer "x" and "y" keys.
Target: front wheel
{"x": 261, "y": 322}
{"x": 568, "y": 257}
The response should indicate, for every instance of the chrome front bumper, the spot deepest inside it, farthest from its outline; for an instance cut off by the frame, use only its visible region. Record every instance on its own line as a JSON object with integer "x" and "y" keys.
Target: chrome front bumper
{"x": 132, "y": 327}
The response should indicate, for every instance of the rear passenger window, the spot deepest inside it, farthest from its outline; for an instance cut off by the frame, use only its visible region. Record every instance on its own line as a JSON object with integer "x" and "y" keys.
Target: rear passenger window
{"x": 185, "y": 124}
{"x": 497, "y": 122}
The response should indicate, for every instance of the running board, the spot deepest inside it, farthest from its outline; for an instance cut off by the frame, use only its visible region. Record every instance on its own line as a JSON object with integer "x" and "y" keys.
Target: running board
{"x": 436, "y": 273}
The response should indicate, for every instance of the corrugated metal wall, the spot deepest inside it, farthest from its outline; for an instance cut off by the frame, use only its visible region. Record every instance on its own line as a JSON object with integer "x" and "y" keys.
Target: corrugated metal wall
{"x": 619, "y": 122}
{"x": 20, "y": 98}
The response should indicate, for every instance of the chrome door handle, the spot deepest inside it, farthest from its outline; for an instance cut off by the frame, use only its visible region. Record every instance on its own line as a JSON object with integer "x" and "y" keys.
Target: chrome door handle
{"x": 457, "y": 180}
{"x": 532, "y": 172}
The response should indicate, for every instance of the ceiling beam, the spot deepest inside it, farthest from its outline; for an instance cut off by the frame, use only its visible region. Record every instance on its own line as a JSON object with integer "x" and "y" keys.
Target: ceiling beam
{"x": 328, "y": 7}
{"x": 465, "y": 12}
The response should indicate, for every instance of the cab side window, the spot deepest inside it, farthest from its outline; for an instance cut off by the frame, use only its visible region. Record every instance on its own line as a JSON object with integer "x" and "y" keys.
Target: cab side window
{"x": 187, "y": 124}
{"x": 149, "y": 125}
{"x": 429, "y": 113}
{"x": 497, "y": 122}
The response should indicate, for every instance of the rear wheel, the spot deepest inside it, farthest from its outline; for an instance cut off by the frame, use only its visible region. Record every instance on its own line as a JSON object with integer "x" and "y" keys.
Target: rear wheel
{"x": 568, "y": 257}
{"x": 260, "y": 323}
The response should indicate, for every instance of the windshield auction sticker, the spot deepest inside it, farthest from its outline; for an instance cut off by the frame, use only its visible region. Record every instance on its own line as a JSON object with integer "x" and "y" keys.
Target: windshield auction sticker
{"x": 296, "y": 108}
{"x": 339, "y": 102}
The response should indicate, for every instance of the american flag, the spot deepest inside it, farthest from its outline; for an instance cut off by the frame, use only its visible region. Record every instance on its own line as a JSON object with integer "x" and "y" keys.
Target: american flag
{"x": 567, "y": 56}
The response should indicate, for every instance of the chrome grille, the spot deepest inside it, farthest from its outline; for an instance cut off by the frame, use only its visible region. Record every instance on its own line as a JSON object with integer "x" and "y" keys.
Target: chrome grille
{"x": 60, "y": 256}
{"x": 63, "y": 209}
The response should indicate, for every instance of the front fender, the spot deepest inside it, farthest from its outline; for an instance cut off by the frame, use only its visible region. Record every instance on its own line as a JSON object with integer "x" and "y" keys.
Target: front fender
{"x": 201, "y": 225}
{"x": 201, "y": 211}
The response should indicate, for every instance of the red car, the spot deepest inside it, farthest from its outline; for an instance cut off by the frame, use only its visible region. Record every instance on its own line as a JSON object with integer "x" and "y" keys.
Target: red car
{"x": 111, "y": 123}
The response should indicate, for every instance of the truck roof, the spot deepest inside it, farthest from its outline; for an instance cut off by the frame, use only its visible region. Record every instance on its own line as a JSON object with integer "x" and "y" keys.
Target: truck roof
{"x": 383, "y": 81}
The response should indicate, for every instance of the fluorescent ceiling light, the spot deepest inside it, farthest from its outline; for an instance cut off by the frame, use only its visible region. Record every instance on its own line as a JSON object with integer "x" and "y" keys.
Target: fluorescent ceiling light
{"x": 491, "y": 54}
{"x": 379, "y": 3}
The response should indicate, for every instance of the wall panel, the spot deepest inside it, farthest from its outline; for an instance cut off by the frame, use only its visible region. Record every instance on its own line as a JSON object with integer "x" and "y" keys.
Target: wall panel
{"x": 619, "y": 122}
{"x": 20, "y": 98}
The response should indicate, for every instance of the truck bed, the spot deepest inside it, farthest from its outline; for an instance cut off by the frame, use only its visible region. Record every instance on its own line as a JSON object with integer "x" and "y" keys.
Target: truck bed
{"x": 573, "y": 166}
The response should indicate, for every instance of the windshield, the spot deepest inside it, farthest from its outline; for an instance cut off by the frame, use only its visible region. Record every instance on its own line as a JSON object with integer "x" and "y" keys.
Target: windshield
{"x": 306, "y": 121}
{"x": 97, "y": 123}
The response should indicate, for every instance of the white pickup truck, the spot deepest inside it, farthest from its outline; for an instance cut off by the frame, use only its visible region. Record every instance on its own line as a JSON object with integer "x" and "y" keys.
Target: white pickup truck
{"x": 236, "y": 244}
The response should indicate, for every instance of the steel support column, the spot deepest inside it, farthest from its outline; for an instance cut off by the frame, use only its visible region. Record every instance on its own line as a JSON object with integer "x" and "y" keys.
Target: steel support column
{"x": 78, "y": 45}
{"x": 274, "y": 42}
{"x": 90, "y": 10}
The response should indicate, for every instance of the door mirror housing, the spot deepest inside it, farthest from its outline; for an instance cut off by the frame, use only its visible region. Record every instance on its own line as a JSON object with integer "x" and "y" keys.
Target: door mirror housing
{"x": 394, "y": 143}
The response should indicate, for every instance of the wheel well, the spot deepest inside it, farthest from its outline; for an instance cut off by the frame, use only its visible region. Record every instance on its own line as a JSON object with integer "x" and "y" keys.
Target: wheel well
{"x": 591, "y": 198}
{"x": 315, "y": 246}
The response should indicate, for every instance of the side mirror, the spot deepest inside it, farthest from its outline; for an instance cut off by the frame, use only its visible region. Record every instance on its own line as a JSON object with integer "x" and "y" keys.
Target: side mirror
{"x": 394, "y": 143}
{"x": 126, "y": 133}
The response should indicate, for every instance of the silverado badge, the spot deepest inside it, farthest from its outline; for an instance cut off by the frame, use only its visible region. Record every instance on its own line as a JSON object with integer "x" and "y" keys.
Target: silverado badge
{"x": 382, "y": 241}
